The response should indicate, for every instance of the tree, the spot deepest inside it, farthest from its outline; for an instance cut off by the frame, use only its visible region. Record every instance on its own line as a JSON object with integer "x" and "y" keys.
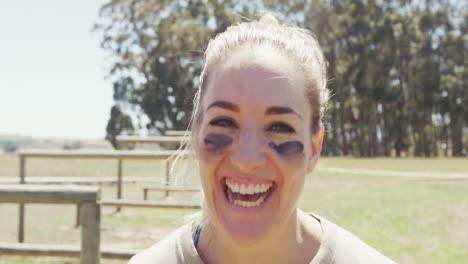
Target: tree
{"x": 157, "y": 48}
{"x": 119, "y": 123}
{"x": 397, "y": 68}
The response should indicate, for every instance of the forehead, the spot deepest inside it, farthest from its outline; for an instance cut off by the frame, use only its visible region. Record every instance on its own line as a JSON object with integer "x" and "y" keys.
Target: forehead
{"x": 259, "y": 76}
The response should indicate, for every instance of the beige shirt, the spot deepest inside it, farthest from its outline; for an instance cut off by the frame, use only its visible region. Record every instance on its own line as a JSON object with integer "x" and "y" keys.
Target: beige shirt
{"x": 338, "y": 246}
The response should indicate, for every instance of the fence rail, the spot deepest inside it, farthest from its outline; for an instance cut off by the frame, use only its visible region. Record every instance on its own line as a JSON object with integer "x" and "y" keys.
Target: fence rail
{"x": 36, "y": 250}
{"x": 170, "y": 142}
{"x": 86, "y": 196}
{"x": 119, "y": 155}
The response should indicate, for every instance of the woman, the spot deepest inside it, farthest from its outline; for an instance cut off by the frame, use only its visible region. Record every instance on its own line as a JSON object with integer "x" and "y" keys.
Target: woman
{"x": 257, "y": 132}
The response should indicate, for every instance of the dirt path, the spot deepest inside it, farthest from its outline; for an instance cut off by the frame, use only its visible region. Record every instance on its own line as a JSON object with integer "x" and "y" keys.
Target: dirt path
{"x": 392, "y": 173}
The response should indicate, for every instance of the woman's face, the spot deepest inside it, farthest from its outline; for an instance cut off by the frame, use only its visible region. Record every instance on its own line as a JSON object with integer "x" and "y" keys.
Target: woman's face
{"x": 254, "y": 142}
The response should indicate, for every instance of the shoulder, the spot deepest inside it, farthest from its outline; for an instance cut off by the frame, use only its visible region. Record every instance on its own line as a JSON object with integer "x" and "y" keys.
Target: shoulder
{"x": 349, "y": 246}
{"x": 175, "y": 248}
{"x": 341, "y": 246}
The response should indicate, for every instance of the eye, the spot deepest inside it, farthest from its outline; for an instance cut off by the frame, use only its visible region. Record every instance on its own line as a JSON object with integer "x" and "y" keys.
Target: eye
{"x": 223, "y": 122}
{"x": 280, "y": 127}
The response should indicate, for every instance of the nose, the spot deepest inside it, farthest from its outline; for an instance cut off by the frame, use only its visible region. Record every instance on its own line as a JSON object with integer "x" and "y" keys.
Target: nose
{"x": 248, "y": 155}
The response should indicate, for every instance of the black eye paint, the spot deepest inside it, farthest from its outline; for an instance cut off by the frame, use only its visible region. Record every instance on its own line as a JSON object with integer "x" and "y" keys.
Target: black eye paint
{"x": 217, "y": 142}
{"x": 288, "y": 149}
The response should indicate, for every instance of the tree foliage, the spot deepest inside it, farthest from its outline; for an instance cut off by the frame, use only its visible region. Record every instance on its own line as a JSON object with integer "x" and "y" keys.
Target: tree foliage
{"x": 397, "y": 68}
{"x": 156, "y": 49}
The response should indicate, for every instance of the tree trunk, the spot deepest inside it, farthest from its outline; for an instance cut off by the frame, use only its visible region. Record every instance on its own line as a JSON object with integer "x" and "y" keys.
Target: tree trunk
{"x": 457, "y": 133}
{"x": 344, "y": 140}
{"x": 375, "y": 144}
{"x": 336, "y": 138}
{"x": 445, "y": 140}
{"x": 427, "y": 136}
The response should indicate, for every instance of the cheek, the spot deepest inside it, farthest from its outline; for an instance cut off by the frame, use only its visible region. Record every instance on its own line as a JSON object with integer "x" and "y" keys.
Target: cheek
{"x": 292, "y": 161}
{"x": 210, "y": 150}
{"x": 292, "y": 184}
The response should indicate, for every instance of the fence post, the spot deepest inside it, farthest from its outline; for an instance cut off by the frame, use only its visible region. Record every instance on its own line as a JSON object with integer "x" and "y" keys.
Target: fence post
{"x": 78, "y": 210}
{"x": 168, "y": 175}
{"x": 21, "y": 206}
{"x": 119, "y": 181}
{"x": 90, "y": 233}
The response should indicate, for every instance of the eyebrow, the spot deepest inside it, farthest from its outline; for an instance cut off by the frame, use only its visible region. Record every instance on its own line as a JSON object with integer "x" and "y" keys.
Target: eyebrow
{"x": 225, "y": 105}
{"x": 279, "y": 110}
{"x": 273, "y": 110}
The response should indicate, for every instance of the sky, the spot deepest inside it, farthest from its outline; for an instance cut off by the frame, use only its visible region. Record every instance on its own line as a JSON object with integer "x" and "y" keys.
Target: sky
{"x": 52, "y": 70}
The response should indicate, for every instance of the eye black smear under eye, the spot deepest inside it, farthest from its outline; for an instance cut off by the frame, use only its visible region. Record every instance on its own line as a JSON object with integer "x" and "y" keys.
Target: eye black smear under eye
{"x": 217, "y": 142}
{"x": 288, "y": 149}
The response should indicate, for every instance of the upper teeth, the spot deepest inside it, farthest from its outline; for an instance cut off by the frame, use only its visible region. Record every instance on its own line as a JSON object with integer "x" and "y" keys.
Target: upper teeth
{"x": 248, "y": 188}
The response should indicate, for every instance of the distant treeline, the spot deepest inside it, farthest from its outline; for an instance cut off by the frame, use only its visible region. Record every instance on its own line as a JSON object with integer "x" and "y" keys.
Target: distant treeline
{"x": 397, "y": 68}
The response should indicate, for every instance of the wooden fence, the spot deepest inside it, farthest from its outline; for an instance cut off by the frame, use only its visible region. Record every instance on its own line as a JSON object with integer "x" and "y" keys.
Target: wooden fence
{"x": 86, "y": 196}
{"x": 180, "y": 133}
{"x": 116, "y": 155}
{"x": 119, "y": 155}
{"x": 170, "y": 142}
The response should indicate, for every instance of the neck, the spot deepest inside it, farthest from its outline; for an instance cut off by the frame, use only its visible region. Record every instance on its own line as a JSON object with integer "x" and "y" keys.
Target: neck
{"x": 296, "y": 241}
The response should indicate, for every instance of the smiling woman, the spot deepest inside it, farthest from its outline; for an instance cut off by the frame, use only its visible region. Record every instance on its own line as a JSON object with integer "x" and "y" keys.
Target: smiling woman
{"x": 257, "y": 132}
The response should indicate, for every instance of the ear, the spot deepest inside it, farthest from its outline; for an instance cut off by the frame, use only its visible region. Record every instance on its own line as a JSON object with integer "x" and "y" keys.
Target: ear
{"x": 316, "y": 146}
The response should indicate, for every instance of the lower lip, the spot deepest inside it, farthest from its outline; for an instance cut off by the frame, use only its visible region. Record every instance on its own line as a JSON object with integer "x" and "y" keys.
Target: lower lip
{"x": 246, "y": 209}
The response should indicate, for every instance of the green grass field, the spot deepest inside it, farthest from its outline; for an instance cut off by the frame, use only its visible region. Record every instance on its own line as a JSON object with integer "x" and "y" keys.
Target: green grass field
{"x": 421, "y": 218}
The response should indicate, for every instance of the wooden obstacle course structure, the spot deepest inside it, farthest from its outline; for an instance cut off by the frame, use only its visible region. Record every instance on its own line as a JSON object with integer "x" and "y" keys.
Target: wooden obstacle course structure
{"x": 166, "y": 189}
{"x": 85, "y": 180}
{"x": 180, "y": 133}
{"x": 40, "y": 250}
{"x": 119, "y": 155}
{"x": 150, "y": 204}
{"x": 170, "y": 142}
{"x": 86, "y": 196}
{"x": 84, "y": 213}
{"x": 62, "y": 154}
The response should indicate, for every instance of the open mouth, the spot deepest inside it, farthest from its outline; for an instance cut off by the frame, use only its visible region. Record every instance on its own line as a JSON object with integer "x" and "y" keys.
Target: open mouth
{"x": 247, "y": 194}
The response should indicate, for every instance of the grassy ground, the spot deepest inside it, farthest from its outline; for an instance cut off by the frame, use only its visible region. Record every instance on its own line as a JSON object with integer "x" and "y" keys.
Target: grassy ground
{"x": 410, "y": 219}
